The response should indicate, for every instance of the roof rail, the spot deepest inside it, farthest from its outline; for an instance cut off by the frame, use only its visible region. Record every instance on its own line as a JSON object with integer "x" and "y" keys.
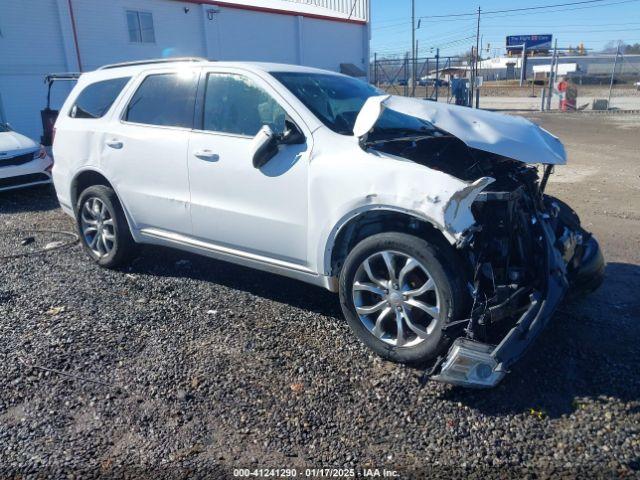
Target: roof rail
{"x": 152, "y": 61}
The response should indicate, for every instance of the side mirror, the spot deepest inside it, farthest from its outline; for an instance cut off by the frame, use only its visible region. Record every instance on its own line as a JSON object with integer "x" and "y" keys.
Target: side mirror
{"x": 264, "y": 146}
{"x": 292, "y": 134}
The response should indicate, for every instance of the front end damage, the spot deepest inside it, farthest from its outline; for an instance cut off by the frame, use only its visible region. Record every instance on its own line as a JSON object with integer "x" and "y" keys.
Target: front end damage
{"x": 524, "y": 251}
{"x": 526, "y": 255}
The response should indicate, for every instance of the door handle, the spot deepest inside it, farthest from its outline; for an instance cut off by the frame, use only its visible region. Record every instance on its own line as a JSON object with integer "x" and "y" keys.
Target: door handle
{"x": 206, "y": 154}
{"x": 117, "y": 144}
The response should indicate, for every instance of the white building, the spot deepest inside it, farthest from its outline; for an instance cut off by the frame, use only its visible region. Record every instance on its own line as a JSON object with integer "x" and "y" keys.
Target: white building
{"x": 52, "y": 36}
{"x": 503, "y": 68}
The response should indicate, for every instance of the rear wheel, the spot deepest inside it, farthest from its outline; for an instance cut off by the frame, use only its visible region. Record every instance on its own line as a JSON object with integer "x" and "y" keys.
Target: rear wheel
{"x": 398, "y": 292}
{"x": 103, "y": 228}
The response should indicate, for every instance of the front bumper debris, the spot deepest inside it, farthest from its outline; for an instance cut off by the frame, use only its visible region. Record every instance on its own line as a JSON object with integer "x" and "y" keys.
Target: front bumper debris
{"x": 470, "y": 363}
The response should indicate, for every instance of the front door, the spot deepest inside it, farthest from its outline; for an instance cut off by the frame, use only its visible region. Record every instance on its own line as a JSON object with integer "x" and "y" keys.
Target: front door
{"x": 261, "y": 212}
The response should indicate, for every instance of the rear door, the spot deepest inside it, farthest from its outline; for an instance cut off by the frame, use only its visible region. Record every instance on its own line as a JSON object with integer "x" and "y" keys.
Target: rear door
{"x": 145, "y": 150}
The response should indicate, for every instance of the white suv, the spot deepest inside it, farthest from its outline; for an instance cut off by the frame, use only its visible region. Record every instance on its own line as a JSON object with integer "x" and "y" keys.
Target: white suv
{"x": 429, "y": 219}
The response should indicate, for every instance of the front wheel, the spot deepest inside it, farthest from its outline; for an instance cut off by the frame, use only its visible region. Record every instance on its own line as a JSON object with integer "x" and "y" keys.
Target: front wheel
{"x": 398, "y": 292}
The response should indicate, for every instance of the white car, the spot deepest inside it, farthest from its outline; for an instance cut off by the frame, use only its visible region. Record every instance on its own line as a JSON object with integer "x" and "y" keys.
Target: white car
{"x": 23, "y": 162}
{"x": 429, "y": 220}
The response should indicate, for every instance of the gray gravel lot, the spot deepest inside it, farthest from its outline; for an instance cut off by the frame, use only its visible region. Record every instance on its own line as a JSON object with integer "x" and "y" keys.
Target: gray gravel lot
{"x": 182, "y": 366}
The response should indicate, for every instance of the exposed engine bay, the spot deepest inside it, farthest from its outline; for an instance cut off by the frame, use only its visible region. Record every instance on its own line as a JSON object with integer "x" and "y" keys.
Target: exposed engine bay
{"x": 523, "y": 254}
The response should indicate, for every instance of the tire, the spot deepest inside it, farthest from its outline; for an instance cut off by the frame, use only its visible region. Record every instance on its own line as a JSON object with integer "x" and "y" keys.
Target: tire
{"x": 435, "y": 261}
{"x": 117, "y": 245}
{"x": 567, "y": 215}
{"x": 587, "y": 276}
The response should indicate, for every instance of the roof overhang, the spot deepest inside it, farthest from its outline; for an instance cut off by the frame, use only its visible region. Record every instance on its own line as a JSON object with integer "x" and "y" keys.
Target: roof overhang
{"x": 275, "y": 6}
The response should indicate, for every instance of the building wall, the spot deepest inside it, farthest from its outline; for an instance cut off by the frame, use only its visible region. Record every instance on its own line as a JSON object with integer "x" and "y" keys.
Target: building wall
{"x": 247, "y": 35}
{"x": 28, "y": 51}
{"x": 37, "y": 38}
{"x": 103, "y": 36}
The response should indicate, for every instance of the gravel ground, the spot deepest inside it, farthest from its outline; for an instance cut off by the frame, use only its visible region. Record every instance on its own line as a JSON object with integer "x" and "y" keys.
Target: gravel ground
{"x": 181, "y": 366}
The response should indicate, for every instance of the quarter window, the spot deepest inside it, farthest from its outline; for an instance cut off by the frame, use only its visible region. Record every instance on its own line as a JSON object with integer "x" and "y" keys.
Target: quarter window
{"x": 164, "y": 99}
{"x": 234, "y": 104}
{"x": 96, "y": 99}
{"x": 140, "y": 26}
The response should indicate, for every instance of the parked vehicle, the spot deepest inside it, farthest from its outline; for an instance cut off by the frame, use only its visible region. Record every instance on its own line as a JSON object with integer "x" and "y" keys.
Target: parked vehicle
{"x": 23, "y": 162}
{"x": 432, "y": 82}
{"x": 428, "y": 219}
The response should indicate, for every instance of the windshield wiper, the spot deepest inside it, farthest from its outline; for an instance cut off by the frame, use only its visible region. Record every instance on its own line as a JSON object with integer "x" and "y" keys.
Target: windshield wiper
{"x": 402, "y": 138}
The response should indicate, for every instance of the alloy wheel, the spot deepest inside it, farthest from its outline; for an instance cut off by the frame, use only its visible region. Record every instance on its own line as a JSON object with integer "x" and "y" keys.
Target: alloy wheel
{"x": 97, "y": 227}
{"x": 396, "y": 298}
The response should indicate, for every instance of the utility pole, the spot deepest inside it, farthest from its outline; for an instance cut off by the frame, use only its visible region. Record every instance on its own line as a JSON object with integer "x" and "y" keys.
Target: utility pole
{"x": 551, "y": 68}
{"x": 475, "y": 73}
{"x": 613, "y": 74}
{"x": 413, "y": 47}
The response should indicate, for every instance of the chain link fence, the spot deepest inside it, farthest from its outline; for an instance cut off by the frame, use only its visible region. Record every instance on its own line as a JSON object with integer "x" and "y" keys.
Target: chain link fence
{"x": 578, "y": 83}
{"x": 433, "y": 78}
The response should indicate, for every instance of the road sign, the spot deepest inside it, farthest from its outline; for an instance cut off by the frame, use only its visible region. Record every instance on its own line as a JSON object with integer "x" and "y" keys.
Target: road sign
{"x": 533, "y": 42}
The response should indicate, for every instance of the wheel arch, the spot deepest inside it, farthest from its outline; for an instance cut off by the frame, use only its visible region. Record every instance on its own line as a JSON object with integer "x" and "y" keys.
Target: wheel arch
{"x": 360, "y": 225}
{"x": 85, "y": 179}
{"x": 89, "y": 177}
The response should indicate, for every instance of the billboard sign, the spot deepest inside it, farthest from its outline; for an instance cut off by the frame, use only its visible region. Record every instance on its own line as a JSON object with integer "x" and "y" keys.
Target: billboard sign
{"x": 532, "y": 42}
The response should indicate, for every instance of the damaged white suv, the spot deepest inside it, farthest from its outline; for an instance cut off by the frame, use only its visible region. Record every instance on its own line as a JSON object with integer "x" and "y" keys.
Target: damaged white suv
{"x": 429, "y": 219}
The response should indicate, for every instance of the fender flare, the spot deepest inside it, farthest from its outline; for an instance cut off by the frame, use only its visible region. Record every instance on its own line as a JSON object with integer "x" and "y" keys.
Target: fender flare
{"x": 330, "y": 236}
{"x": 97, "y": 170}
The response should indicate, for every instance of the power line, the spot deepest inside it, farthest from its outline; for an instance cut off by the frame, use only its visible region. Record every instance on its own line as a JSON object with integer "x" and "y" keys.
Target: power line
{"x": 444, "y": 18}
{"x": 501, "y": 13}
{"x": 453, "y": 43}
{"x": 537, "y": 7}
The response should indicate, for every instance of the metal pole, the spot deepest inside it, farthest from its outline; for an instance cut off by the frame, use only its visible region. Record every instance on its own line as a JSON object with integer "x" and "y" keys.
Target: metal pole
{"x": 375, "y": 67}
{"x": 523, "y": 64}
{"x": 415, "y": 69}
{"x": 553, "y": 60}
{"x": 406, "y": 74}
{"x": 470, "y": 78}
{"x": 426, "y": 87}
{"x": 413, "y": 46}
{"x": 477, "y": 78}
{"x": 475, "y": 73}
{"x": 613, "y": 74}
{"x": 437, "y": 71}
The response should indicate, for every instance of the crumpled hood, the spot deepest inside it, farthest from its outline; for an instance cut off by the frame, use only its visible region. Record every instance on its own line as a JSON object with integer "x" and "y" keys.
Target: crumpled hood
{"x": 10, "y": 141}
{"x": 506, "y": 135}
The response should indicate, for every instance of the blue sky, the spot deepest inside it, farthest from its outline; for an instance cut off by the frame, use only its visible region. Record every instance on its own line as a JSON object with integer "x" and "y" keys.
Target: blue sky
{"x": 594, "y": 24}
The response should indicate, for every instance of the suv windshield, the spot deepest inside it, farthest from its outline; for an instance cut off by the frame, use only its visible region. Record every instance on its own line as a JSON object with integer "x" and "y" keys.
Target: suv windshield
{"x": 336, "y": 100}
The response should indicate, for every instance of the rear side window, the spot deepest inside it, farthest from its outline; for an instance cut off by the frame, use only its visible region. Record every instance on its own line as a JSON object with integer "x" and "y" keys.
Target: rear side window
{"x": 96, "y": 99}
{"x": 164, "y": 99}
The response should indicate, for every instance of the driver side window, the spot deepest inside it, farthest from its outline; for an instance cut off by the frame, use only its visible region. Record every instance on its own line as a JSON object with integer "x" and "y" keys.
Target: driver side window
{"x": 234, "y": 104}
